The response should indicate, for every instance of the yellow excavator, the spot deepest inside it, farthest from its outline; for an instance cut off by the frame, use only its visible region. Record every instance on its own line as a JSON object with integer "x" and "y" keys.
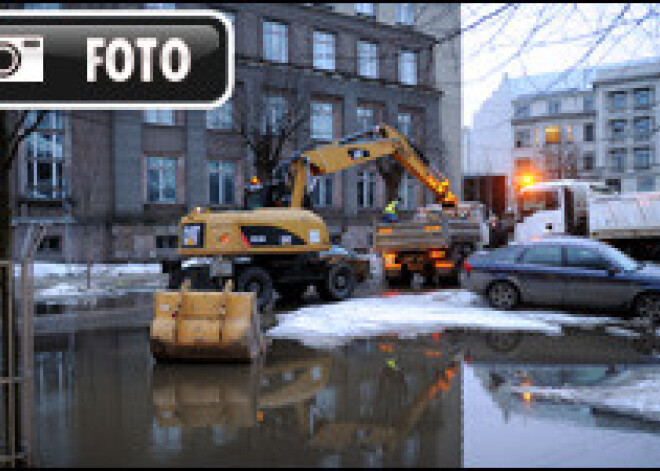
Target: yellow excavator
{"x": 276, "y": 242}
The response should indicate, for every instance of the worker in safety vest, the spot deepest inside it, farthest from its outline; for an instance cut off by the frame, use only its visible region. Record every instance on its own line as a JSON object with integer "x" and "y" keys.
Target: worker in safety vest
{"x": 389, "y": 213}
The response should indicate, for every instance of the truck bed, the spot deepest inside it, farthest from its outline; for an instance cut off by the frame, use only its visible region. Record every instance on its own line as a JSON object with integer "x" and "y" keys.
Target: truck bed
{"x": 625, "y": 216}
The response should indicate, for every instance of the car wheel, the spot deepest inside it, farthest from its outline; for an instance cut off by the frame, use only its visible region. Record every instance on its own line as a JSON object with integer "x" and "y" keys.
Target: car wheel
{"x": 647, "y": 307}
{"x": 338, "y": 284}
{"x": 259, "y": 281}
{"x": 503, "y": 295}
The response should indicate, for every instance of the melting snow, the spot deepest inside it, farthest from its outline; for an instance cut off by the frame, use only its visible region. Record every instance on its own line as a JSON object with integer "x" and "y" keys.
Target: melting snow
{"x": 42, "y": 269}
{"x": 336, "y": 324}
{"x": 635, "y": 393}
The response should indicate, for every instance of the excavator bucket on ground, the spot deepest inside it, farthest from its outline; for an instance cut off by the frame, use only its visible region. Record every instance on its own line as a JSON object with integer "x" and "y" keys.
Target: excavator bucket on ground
{"x": 195, "y": 325}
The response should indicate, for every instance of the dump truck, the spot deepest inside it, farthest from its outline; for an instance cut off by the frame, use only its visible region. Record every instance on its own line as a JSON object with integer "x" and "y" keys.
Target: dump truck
{"x": 433, "y": 245}
{"x": 630, "y": 221}
{"x": 277, "y": 241}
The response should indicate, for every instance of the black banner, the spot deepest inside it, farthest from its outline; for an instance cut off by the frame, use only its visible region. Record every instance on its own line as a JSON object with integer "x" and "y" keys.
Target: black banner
{"x": 120, "y": 59}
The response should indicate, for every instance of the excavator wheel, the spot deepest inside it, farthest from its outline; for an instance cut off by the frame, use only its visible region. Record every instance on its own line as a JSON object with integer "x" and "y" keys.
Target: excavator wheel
{"x": 338, "y": 284}
{"x": 259, "y": 281}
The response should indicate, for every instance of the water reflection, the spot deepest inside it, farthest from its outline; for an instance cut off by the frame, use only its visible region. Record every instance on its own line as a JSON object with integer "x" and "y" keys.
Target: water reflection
{"x": 101, "y": 401}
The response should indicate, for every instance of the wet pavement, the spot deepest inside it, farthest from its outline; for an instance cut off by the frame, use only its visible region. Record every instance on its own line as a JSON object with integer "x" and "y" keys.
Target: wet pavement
{"x": 443, "y": 399}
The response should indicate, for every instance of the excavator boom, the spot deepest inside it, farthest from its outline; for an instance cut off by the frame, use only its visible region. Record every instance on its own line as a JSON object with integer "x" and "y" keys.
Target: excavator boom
{"x": 379, "y": 142}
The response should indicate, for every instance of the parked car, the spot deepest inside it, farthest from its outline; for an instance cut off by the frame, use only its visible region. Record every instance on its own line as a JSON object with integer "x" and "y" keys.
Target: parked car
{"x": 565, "y": 271}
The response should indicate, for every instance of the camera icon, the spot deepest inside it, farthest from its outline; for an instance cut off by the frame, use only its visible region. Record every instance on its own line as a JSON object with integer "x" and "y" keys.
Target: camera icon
{"x": 21, "y": 59}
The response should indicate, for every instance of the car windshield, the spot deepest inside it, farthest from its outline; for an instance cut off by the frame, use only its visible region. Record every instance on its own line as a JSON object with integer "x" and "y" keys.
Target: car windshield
{"x": 620, "y": 259}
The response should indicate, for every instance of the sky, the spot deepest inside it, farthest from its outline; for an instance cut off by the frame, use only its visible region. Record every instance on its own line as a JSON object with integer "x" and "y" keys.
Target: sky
{"x": 537, "y": 38}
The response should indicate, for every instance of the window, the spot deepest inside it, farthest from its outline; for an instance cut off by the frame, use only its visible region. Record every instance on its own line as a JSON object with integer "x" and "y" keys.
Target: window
{"x": 167, "y": 242}
{"x": 367, "y": 59}
{"x": 618, "y": 158}
{"x": 552, "y": 134}
{"x": 588, "y": 259}
{"x": 642, "y": 128}
{"x": 365, "y": 9}
{"x": 221, "y": 182}
{"x": 274, "y": 109}
{"x": 588, "y": 161}
{"x": 544, "y": 255}
{"x": 324, "y": 50}
{"x": 405, "y": 13}
{"x": 405, "y": 123}
{"x": 322, "y": 194}
{"x": 617, "y": 129}
{"x": 408, "y": 67}
{"x": 45, "y": 6}
{"x": 521, "y": 111}
{"x": 643, "y": 98}
{"x": 365, "y": 118}
{"x": 161, "y": 179}
{"x": 276, "y": 48}
{"x": 407, "y": 192}
{"x": 554, "y": 107}
{"x": 221, "y": 118}
{"x": 161, "y": 117}
{"x": 646, "y": 184}
{"x": 642, "y": 158}
{"x": 50, "y": 244}
{"x": 322, "y": 121}
{"x": 589, "y": 132}
{"x": 617, "y": 100}
{"x": 366, "y": 189}
{"x": 523, "y": 138}
{"x": 588, "y": 103}
{"x": 44, "y": 156}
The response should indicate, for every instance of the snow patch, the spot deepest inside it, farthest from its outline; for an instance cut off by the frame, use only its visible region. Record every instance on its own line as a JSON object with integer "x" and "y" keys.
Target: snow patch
{"x": 336, "y": 324}
{"x": 635, "y": 393}
{"x": 72, "y": 290}
{"x": 43, "y": 269}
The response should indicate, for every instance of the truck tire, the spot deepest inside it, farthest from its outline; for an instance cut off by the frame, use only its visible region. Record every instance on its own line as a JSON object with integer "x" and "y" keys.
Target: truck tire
{"x": 258, "y": 281}
{"x": 338, "y": 284}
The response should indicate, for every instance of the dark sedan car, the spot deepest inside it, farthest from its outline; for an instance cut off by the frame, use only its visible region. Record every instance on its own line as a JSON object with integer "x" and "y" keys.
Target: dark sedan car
{"x": 564, "y": 271}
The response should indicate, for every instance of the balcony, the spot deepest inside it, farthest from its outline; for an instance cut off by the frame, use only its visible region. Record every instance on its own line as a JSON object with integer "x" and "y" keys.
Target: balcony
{"x": 44, "y": 192}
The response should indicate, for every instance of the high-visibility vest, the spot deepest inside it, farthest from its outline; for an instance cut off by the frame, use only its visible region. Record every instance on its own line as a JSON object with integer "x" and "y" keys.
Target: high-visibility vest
{"x": 390, "y": 208}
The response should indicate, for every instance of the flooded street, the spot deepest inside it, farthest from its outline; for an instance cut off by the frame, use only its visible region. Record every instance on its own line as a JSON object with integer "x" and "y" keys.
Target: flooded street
{"x": 444, "y": 398}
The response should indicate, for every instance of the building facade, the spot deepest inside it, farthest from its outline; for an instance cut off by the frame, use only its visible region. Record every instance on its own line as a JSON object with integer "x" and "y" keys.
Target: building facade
{"x": 594, "y": 123}
{"x": 114, "y": 184}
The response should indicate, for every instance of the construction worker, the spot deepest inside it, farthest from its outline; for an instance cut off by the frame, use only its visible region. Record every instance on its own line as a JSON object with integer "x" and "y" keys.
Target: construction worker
{"x": 390, "y": 212}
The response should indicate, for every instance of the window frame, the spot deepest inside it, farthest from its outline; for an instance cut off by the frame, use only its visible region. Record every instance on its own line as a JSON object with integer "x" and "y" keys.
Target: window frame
{"x": 226, "y": 171}
{"x": 161, "y": 169}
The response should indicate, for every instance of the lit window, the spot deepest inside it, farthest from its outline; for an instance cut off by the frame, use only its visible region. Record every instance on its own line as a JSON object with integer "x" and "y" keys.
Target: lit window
{"x": 552, "y": 134}
{"x": 221, "y": 117}
{"x": 408, "y": 67}
{"x": 322, "y": 121}
{"x": 276, "y": 48}
{"x": 322, "y": 194}
{"x": 367, "y": 59}
{"x": 324, "y": 50}
{"x": 405, "y": 13}
{"x": 161, "y": 179}
{"x": 221, "y": 182}
{"x": 161, "y": 117}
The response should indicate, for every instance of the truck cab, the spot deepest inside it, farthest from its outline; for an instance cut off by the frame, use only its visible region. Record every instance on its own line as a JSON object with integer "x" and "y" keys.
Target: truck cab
{"x": 557, "y": 207}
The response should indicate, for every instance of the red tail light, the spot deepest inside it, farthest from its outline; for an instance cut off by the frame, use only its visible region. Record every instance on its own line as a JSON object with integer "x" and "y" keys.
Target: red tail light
{"x": 467, "y": 267}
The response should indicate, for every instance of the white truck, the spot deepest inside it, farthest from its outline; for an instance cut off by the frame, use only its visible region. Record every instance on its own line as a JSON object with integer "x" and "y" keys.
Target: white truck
{"x": 630, "y": 222}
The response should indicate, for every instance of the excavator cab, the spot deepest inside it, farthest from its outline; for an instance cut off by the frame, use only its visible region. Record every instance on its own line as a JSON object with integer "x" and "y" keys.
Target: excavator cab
{"x": 274, "y": 194}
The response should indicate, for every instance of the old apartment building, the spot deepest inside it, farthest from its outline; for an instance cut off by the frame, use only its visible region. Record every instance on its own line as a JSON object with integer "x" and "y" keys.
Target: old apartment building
{"x": 595, "y": 123}
{"x": 119, "y": 181}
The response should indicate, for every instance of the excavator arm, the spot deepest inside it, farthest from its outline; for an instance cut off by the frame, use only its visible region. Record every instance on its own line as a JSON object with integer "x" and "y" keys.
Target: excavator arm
{"x": 379, "y": 142}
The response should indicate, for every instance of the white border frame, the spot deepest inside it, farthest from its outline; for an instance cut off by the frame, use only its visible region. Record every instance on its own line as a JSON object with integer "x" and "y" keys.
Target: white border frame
{"x": 100, "y": 105}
